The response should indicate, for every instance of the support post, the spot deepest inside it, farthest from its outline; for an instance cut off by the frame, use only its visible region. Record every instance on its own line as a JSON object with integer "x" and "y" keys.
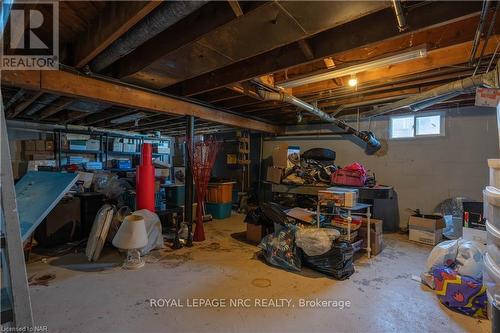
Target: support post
{"x": 188, "y": 198}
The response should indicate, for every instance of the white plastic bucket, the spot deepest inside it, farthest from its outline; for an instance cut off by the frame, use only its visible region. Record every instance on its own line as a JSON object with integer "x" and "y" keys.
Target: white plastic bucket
{"x": 491, "y": 205}
{"x": 494, "y": 165}
{"x": 493, "y": 242}
{"x": 491, "y": 277}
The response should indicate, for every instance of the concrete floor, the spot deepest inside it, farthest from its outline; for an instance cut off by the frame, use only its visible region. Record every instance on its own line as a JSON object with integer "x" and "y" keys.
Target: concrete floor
{"x": 105, "y": 298}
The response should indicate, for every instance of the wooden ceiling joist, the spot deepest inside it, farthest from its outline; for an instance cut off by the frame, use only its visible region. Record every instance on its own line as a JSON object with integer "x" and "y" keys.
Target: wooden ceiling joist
{"x": 114, "y": 21}
{"x": 366, "y": 30}
{"x": 235, "y": 6}
{"x": 78, "y": 86}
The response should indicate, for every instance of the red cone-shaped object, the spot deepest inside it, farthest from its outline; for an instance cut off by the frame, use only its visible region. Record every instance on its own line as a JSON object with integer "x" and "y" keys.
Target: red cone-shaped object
{"x": 145, "y": 180}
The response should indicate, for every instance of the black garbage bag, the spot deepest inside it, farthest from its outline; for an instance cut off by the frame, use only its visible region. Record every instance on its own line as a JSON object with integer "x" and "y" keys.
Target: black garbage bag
{"x": 274, "y": 212}
{"x": 257, "y": 217}
{"x": 337, "y": 262}
{"x": 279, "y": 248}
{"x": 319, "y": 154}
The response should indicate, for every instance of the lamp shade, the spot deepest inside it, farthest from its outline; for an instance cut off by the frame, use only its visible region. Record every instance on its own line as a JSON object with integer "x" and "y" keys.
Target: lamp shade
{"x": 131, "y": 234}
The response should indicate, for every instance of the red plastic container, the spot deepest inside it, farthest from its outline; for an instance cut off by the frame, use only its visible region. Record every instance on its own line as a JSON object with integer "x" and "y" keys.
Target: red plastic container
{"x": 145, "y": 180}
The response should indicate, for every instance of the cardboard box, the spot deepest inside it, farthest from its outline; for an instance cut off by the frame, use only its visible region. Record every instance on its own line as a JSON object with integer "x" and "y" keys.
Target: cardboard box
{"x": 93, "y": 145}
{"x": 472, "y": 234}
{"x": 19, "y": 168}
{"x": 129, "y": 147}
{"x": 254, "y": 233}
{"x": 29, "y": 145}
{"x": 376, "y": 239}
{"x": 375, "y": 224}
{"x": 280, "y": 155}
{"x": 117, "y": 145}
{"x": 274, "y": 175}
{"x": 78, "y": 145}
{"x": 342, "y": 197}
{"x": 162, "y": 172}
{"x": 49, "y": 145}
{"x": 39, "y": 156}
{"x": 33, "y": 165}
{"x": 40, "y": 145}
{"x": 427, "y": 222}
{"x": 426, "y": 237}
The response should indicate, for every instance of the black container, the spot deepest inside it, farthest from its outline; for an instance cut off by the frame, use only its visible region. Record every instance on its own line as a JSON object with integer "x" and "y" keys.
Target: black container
{"x": 90, "y": 203}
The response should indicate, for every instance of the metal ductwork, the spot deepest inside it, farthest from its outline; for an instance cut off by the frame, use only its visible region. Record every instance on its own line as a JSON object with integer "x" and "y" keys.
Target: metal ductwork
{"x": 479, "y": 31}
{"x": 441, "y": 93}
{"x": 366, "y": 136}
{"x": 400, "y": 16}
{"x": 40, "y": 103}
{"x": 162, "y": 18}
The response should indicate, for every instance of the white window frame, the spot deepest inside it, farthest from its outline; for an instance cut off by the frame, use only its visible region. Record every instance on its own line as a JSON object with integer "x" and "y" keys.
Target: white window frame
{"x": 415, "y": 116}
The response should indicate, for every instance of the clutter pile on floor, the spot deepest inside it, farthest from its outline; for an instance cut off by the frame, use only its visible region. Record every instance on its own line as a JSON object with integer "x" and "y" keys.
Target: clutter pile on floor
{"x": 292, "y": 243}
{"x": 455, "y": 272}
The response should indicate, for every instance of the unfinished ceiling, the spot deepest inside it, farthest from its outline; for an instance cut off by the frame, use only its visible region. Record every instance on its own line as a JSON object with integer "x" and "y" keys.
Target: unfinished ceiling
{"x": 214, "y": 54}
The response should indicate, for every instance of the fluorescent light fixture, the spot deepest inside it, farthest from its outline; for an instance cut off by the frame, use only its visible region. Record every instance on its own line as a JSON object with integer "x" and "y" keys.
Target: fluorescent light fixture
{"x": 383, "y": 62}
{"x": 129, "y": 118}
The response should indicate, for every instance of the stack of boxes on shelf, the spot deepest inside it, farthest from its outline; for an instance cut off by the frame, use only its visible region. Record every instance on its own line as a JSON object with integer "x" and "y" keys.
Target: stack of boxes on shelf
{"x": 219, "y": 200}
{"x": 81, "y": 143}
{"x": 281, "y": 161}
{"x": 30, "y": 154}
{"x": 491, "y": 276}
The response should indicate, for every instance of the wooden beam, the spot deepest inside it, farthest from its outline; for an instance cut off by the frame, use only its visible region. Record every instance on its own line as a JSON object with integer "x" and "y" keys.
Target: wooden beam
{"x": 78, "y": 86}
{"x": 235, "y": 6}
{"x": 443, "y": 57}
{"x": 117, "y": 18}
{"x": 23, "y": 105}
{"x": 354, "y": 34}
{"x": 50, "y": 110}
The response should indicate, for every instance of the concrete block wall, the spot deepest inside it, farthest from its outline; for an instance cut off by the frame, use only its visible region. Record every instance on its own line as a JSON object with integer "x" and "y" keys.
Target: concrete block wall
{"x": 423, "y": 171}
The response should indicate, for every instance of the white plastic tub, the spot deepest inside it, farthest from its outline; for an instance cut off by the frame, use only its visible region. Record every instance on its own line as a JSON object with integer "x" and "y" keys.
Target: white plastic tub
{"x": 493, "y": 242}
{"x": 491, "y": 202}
{"x": 494, "y": 165}
{"x": 491, "y": 277}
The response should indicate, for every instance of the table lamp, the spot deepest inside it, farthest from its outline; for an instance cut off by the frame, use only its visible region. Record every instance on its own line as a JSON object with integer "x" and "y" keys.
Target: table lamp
{"x": 132, "y": 236}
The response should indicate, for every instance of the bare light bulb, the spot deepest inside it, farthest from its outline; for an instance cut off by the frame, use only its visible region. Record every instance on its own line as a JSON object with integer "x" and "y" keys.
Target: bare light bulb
{"x": 353, "y": 82}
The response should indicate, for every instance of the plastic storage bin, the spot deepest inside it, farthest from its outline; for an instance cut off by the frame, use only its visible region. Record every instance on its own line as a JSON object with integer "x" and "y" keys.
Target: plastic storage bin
{"x": 219, "y": 210}
{"x": 494, "y": 165}
{"x": 220, "y": 193}
{"x": 493, "y": 242}
{"x": 491, "y": 205}
{"x": 491, "y": 278}
{"x": 175, "y": 195}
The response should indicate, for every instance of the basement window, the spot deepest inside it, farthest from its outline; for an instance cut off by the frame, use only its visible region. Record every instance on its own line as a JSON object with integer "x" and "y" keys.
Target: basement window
{"x": 411, "y": 126}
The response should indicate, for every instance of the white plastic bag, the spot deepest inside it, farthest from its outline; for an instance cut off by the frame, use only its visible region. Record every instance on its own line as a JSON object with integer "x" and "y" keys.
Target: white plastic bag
{"x": 466, "y": 255}
{"x": 153, "y": 228}
{"x": 469, "y": 259}
{"x": 316, "y": 241}
{"x": 443, "y": 253}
